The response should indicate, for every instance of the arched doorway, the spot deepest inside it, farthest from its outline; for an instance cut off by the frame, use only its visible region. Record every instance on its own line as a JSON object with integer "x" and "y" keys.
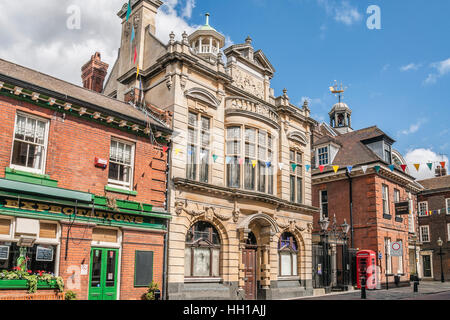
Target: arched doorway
{"x": 249, "y": 259}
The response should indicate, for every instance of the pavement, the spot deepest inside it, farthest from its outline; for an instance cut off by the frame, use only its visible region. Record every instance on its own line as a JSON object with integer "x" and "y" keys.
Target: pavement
{"x": 428, "y": 290}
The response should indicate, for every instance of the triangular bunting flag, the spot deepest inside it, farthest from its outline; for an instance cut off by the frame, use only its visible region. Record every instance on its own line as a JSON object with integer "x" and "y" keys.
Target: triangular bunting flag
{"x": 335, "y": 168}
{"x": 377, "y": 168}
{"x": 364, "y": 168}
{"x": 228, "y": 160}
{"x": 241, "y": 161}
{"x": 442, "y": 164}
{"x": 307, "y": 167}
{"x": 392, "y": 167}
{"x": 294, "y": 166}
{"x": 215, "y": 157}
{"x": 202, "y": 155}
{"x": 321, "y": 167}
{"x": 129, "y": 10}
{"x": 430, "y": 165}
{"x": 268, "y": 164}
{"x": 254, "y": 162}
{"x": 190, "y": 152}
{"x": 417, "y": 166}
{"x": 165, "y": 148}
{"x": 177, "y": 151}
{"x": 403, "y": 167}
{"x": 349, "y": 169}
{"x": 280, "y": 165}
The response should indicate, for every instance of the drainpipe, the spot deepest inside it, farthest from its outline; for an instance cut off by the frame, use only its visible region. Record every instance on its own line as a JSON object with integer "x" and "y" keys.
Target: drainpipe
{"x": 351, "y": 208}
{"x": 167, "y": 206}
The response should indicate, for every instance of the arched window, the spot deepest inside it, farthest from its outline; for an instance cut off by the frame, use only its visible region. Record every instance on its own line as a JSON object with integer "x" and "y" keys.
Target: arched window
{"x": 202, "y": 253}
{"x": 287, "y": 254}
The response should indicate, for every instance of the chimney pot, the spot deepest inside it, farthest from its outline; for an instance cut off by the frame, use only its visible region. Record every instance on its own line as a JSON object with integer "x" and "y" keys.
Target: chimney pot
{"x": 94, "y": 72}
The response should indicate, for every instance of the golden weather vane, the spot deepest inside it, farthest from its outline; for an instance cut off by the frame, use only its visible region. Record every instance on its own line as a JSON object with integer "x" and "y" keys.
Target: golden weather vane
{"x": 338, "y": 90}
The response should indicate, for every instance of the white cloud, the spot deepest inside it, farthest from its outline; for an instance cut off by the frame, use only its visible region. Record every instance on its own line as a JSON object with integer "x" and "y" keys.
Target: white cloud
{"x": 423, "y": 156}
{"x": 341, "y": 11}
{"x": 34, "y": 33}
{"x": 413, "y": 128}
{"x": 441, "y": 69}
{"x": 411, "y": 66}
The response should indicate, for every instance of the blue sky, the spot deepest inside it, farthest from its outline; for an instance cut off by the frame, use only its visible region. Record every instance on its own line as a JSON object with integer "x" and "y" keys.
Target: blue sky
{"x": 397, "y": 77}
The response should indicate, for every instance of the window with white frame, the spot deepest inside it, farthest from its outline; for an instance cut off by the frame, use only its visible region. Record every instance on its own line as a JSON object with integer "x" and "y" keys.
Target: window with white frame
{"x": 296, "y": 176}
{"x": 121, "y": 164}
{"x": 30, "y": 143}
{"x": 387, "y": 246}
{"x": 323, "y": 198}
{"x": 287, "y": 254}
{"x": 322, "y": 154}
{"x": 233, "y": 156}
{"x": 448, "y": 231}
{"x": 423, "y": 208}
{"x": 385, "y": 196}
{"x": 198, "y": 149}
{"x": 447, "y": 205}
{"x": 425, "y": 233}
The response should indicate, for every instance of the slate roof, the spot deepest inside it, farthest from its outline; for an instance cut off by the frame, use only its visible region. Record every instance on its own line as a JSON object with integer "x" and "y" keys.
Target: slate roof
{"x": 436, "y": 183}
{"x": 60, "y": 89}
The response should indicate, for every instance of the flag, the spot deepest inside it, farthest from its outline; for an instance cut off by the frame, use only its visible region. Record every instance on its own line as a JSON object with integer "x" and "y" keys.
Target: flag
{"x": 392, "y": 167}
{"x": 403, "y": 167}
{"x": 321, "y": 167}
{"x": 307, "y": 167}
{"x": 442, "y": 164}
{"x": 241, "y": 161}
{"x": 228, "y": 160}
{"x": 335, "y": 168}
{"x": 189, "y": 152}
{"x": 177, "y": 151}
{"x": 349, "y": 169}
{"x": 268, "y": 164}
{"x": 294, "y": 166}
{"x": 254, "y": 162}
{"x": 417, "y": 166}
{"x": 129, "y": 10}
{"x": 137, "y": 74}
{"x": 133, "y": 34}
{"x": 377, "y": 168}
{"x": 215, "y": 157}
{"x": 364, "y": 168}
{"x": 280, "y": 165}
{"x": 165, "y": 148}
{"x": 430, "y": 165}
{"x": 135, "y": 55}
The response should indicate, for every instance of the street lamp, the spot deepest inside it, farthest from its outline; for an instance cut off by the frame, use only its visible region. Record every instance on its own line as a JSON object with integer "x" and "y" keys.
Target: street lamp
{"x": 439, "y": 243}
{"x": 323, "y": 223}
{"x": 345, "y": 228}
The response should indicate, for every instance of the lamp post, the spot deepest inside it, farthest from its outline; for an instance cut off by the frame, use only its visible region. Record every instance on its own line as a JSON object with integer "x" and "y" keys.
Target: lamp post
{"x": 345, "y": 228}
{"x": 439, "y": 243}
{"x": 324, "y": 222}
{"x": 416, "y": 276}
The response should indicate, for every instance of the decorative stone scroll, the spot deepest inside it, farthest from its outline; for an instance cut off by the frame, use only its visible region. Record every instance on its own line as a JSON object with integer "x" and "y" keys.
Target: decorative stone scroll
{"x": 207, "y": 212}
{"x": 291, "y": 225}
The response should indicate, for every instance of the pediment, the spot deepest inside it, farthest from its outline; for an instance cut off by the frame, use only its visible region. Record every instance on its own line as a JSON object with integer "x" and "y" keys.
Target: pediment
{"x": 261, "y": 58}
{"x": 298, "y": 137}
{"x": 203, "y": 95}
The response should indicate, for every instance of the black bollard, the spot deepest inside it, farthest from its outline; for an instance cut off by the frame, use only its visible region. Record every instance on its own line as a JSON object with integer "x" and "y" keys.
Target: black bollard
{"x": 363, "y": 288}
{"x": 416, "y": 284}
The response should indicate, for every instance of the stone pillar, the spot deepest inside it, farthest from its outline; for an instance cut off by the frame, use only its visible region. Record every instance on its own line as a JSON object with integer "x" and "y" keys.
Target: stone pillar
{"x": 265, "y": 267}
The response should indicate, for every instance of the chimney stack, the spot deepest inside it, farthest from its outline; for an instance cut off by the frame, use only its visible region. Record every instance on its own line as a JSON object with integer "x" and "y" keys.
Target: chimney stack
{"x": 94, "y": 72}
{"x": 440, "y": 171}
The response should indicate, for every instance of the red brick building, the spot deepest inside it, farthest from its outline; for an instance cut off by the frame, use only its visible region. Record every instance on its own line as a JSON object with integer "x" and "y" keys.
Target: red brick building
{"x": 357, "y": 178}
{"x": 83, "y": 180}
{"x": 434, "y": 224}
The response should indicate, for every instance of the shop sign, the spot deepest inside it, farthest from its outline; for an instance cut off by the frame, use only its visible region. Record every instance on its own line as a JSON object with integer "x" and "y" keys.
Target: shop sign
{"x": 396, "y": 249}
{"x": 70, "y": 211}
{"x": 44, "y": 253}
{"x": 401, "y": 208}
{"x": 4, "y": 252}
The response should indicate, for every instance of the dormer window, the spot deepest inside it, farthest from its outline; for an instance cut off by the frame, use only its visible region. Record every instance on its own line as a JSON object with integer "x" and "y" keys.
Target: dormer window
{"x": 387, "y": 153}
{"x": 322, "y": 154}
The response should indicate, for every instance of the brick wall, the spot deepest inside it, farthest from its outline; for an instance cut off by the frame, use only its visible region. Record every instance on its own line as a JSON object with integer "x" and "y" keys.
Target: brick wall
{"x": 370, "y": 227}
{"x": 73, "y": 144}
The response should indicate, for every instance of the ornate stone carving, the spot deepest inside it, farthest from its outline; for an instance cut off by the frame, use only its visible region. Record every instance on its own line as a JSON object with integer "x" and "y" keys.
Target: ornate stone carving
{"x": 208, "y": 212}
{"x": 169, "y": 81}
{"x": 136, "y": 20}
{"x": 236, "y": 213}
{"x": 310, "y": 227}
{"x": 243, "y": 104}
{"x": 248, "y": 83}
{"x": 291, "y": 225}
{"x": 126, "y": 29}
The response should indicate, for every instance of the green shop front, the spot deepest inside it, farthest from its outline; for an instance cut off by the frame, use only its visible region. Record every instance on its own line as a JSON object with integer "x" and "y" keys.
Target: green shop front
{"x": 60, "y": 240}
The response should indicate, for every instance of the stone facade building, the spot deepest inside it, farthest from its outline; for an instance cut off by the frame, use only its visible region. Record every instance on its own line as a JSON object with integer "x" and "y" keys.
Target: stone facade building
{"x": 434, "y": 224}
{"x": 240, "y": 196}
{"x": 362, "y": 189}
{"x": 82, "y": 189}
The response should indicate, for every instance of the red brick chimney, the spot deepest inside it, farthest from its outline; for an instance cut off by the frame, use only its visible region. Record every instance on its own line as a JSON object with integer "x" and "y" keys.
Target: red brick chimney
{"x": 94, "y": 73}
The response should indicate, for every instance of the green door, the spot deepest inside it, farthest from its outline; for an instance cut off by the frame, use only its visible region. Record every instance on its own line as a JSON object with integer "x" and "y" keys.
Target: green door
{"x": 103, "y": 274}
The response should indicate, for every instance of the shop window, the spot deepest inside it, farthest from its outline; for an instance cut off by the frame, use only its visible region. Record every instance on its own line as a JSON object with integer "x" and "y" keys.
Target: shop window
{"x": 121, "y": 163}
{"x": 202, "y": 253}
{"x": 47, "y": 230}
{"x": 5, "y": 226}
{"x": 287, "y": 254}
{"x": 40, "y": 257}
{"x": 30, "y": 143}
{"x": 104, "y": 235}
{"x": 143, "y": 273}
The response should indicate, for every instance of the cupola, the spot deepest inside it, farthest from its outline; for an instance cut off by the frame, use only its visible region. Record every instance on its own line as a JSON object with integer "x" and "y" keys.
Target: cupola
{"x": 206, "y": 41}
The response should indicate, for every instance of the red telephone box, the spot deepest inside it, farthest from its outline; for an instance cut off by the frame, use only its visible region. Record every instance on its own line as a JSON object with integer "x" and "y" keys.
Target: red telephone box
{"x": 366, "y": 267}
